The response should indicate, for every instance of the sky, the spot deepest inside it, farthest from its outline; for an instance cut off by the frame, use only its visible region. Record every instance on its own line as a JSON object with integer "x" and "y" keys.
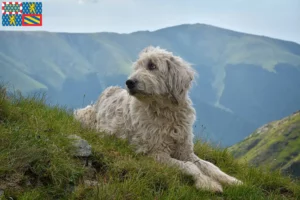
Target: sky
{"x": 273, "y": 18}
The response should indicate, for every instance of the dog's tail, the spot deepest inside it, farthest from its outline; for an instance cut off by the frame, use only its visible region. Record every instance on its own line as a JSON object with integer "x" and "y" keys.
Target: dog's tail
{"x": 86, "y": 116}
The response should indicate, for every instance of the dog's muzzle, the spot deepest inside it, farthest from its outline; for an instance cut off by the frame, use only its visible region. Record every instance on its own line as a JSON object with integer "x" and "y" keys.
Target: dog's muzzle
{"x": 131, "y": 85}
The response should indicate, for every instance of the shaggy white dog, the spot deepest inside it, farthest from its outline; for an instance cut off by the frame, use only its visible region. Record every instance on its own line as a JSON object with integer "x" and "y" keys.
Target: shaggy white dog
{"x": 155, "y": 114}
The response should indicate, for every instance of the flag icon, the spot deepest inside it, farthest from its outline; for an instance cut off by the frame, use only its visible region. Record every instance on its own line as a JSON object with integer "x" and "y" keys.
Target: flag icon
{"x": 32, "y": 20}
{"x": 32, "y": 7}
{"x": 22, "y": 13}
{"x": 11, "y": 8}
{"x": 11, "y": 20}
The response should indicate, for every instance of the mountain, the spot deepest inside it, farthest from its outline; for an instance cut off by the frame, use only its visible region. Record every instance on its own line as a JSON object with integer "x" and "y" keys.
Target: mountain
{"x": 244, "y": 80}
{"x": 276, "y": 144}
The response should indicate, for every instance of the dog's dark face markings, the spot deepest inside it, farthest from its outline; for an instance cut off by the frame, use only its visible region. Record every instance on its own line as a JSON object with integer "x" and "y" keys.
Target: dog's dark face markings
{"x": 157, "y": 73}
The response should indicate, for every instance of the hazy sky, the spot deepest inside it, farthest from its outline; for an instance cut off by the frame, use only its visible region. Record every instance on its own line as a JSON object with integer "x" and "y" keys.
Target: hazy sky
{"x": 274, "y": 18}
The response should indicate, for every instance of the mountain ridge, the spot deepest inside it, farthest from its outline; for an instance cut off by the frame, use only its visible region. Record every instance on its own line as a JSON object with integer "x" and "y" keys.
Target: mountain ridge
{"x": 149, "y": 31}
{"x": 239, "y": 73}
{"x": 275, "y": 144}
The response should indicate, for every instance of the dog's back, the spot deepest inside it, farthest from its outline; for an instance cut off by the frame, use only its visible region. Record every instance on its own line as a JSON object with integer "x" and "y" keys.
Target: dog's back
{"x": 111, "y": 110}
{"x": 108, "y": 114}
{"x": 86, "y": 116}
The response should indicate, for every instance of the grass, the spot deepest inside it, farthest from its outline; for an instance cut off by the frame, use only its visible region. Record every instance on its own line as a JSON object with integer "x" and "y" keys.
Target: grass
{"x": 36, "y": 162}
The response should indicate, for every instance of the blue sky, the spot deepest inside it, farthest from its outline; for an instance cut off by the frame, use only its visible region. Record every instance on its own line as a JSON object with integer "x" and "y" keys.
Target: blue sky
{"x": 273, "y": 18}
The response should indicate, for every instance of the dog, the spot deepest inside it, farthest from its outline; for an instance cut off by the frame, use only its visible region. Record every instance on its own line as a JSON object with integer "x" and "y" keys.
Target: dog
{"x": 155, "y": 114}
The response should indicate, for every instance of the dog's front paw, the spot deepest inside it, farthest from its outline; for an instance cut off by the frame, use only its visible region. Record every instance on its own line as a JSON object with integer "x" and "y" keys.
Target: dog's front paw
{"x": 234, "y": 181}
{"x": 238, "y": 182}
{"x": 209, "y": 185}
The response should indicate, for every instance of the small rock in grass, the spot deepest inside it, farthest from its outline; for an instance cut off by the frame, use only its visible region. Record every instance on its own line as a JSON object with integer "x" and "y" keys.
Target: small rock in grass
{"x": 89, "y": 183}
{"x": 83, "y": 149}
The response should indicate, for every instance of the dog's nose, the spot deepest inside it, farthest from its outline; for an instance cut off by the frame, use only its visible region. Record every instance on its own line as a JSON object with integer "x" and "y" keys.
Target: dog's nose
{"x": 130, "y": 84}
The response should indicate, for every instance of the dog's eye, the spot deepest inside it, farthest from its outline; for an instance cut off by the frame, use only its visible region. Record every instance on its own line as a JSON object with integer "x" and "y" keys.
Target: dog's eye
{"x": 151, "y": 66}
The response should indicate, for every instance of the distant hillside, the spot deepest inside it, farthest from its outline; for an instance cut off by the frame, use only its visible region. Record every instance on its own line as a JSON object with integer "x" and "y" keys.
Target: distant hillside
{"x": 244, "y": 80}
{"x": 276, "y": 144}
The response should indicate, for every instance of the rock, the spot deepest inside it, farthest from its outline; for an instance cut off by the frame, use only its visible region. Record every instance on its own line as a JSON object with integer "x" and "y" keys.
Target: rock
{"x": 82, "y": 147}
{"x": 89, "y": 183}
{"x": 28, "y": 183}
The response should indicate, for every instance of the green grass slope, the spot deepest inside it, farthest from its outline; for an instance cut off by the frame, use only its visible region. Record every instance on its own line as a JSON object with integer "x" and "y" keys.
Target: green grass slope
{"x": 36, "y": 162}
{"x": 276, "y": 144}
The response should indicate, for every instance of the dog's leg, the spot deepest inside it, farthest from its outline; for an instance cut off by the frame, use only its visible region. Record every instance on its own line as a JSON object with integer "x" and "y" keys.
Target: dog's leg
{"x": 214, "y": 172}
{"x": 201, "y": 180}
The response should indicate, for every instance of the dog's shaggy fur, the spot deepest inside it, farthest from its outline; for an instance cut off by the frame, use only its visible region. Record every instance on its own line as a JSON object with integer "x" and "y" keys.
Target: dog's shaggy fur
{"x": 155, "y": 114}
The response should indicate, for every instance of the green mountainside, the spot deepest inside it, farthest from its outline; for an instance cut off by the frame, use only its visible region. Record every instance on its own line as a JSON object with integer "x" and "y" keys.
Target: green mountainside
{"x": 242, "y": 84}
{"x": 276, "y": 144}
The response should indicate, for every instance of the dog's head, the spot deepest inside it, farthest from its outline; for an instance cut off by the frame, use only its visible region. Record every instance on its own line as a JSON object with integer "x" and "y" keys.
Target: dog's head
{"x": 160, "y": 74}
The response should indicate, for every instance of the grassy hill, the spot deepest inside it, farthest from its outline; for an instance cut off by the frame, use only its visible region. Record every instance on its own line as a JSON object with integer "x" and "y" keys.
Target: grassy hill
{"x": 37, "y": 163}
{"x": 242, "y": 78}
{"x": 276, "y": 144}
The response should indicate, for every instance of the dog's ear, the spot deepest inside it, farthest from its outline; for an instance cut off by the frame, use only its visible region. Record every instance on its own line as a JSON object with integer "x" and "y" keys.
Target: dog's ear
{"x": 180, "y": 79}
{"x": 171, "y": 81}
